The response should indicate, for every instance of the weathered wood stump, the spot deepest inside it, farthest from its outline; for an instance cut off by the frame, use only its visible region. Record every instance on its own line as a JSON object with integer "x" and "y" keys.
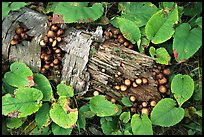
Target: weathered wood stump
{"x": 27, "y": 51}
{"x": 131, "y": 64}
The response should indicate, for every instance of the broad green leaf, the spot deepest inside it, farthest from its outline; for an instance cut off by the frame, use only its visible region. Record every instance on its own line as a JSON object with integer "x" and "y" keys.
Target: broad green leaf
{"x": 22, "y": 103}
{"x": 199, "y": 113}
{"x": 186, "y": 41}
{"x": 114, "y": 22}
{"x": 159, "y": 28}
{"x": 125, "y": 117}
{"x": 129, "y": 29}
{"x": 126, "y": 101}
{"x": 84, "y": 112}
{"x": 17, "y": 5}
{"x": 14, "y": 122}
{"x": 127, "y": 132}
{"x": 152, "y": 51}
{"x": 168, "y": 5}
{"x": 43, "y": 84}
{"x": 42, "y": 117}
{"x": 62, "y": 114}
{"x": 5, "y": 9}
{"x": 40, "y": 131}
{"x": 8, "y": 88}
{"x": 118, "y": 132}
{"x": 8, "y": 6}
{"x": 76, "y": 11}
{"x": 165, "y": 113}
{"x": 64, "y": 90}
{"x": 141, "y": 126}
{"x": 102, "y": 107}
{"x": 182, "y": 86}
{"x": 163, "y": 56}
{"x": 108, "y": 126}
{"x": 138, "y": 12}
{"x": 199, "y": 22}
{"x": 119, "y": 110}
{"x": 19, "y": 76}
{"x": 57, "y": 130}
{"x": 193, "y": 9}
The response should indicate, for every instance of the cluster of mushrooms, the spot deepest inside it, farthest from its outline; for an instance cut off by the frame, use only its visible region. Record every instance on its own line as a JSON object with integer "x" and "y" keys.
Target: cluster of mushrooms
{"x": 51, "y": 53}
{"x": 115, "y": 34}
{"x": 20, "y": 35}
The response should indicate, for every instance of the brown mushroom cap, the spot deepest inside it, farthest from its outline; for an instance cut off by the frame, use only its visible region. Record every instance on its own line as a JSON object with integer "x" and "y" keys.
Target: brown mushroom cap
{"x": 123, "y": 87}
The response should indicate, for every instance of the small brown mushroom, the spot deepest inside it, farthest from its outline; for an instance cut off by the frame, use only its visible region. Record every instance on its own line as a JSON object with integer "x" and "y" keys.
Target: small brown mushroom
{"x": 138, "y": 81}
{"x": 123, "y": 87}
{"x": 19, "y": 30}
{"x": 166, "y": 71}
{"x": 127, "y": 82}
{"x": 144, "y": 80}
{"x": 95, "y": 93}
{"x": 132, "y": 98}
{"x": 144, "y": 104}
{"x": 162, "y": 81}
{"x": 145, "y": 111}
{"x": 153, "y": 103}
{"x": 162, "y": 89}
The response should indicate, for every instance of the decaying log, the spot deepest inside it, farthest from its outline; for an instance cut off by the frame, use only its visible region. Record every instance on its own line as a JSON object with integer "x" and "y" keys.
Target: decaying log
{"x": 114, "y": 58}
{"x": 27, "y": 51}
{"x": 76, "y": 44}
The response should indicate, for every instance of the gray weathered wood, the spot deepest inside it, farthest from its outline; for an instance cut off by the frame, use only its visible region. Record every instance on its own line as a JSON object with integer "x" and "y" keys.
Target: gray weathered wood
{"x": 27, "y": 52}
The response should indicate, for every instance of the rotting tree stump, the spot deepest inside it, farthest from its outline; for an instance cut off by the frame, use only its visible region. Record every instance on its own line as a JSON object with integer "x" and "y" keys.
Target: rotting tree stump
{"x": 81, "y": 66}
{"x": 28, "y": 51}
{"x": 131, "y": 64}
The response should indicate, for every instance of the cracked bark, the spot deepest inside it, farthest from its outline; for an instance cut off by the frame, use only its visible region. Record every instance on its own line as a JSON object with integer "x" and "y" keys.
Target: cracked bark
{"x": 27, "y": 52}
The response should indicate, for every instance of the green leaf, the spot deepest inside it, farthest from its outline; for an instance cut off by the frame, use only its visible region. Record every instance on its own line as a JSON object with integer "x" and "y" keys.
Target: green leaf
{"x": 8, "y": 6}
{"x": 193, "y": 9}
{"x": 129, "y": 29}
{"x": 102, "y": 107}
{"x": 141, "y": 126}
{"x": 17, "y": 5}
{"x": 186, "y": 41}
{"x": 152, "y": 51}
{"x": 57, "y": 130}
{"x": 5, "y": 9}
{"x": 168, "y": 5}
{"x": 126, "y": 101}
{"x": 84, "y": 112}
{"x": 199, "y": 113}
{"x": 159, "y": 28}
{"x": 22, "y": 103}
{"x": 163, "y": 56}
{"x": 42, "y": 117}
{"x": 165, "y": 113}
{"x": 62, "y": 114}
{"x": 182, "y": 86}
{"x": 14, "y": 122}
{"x": 138, "y": 12}
{"x": 64, "y": 90}
{"x": 125, "y": 117}
{"x": 40, "y": 131}
{"x": 19, "y": 76}
{"x": 76, "y": 11}
{"x": 43, "y": 84}
{"x": 108, "y": 126}
{"x": 199, "y": 22}
{"x": 119, "y": 110}
{"x": 127, "y": 132}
